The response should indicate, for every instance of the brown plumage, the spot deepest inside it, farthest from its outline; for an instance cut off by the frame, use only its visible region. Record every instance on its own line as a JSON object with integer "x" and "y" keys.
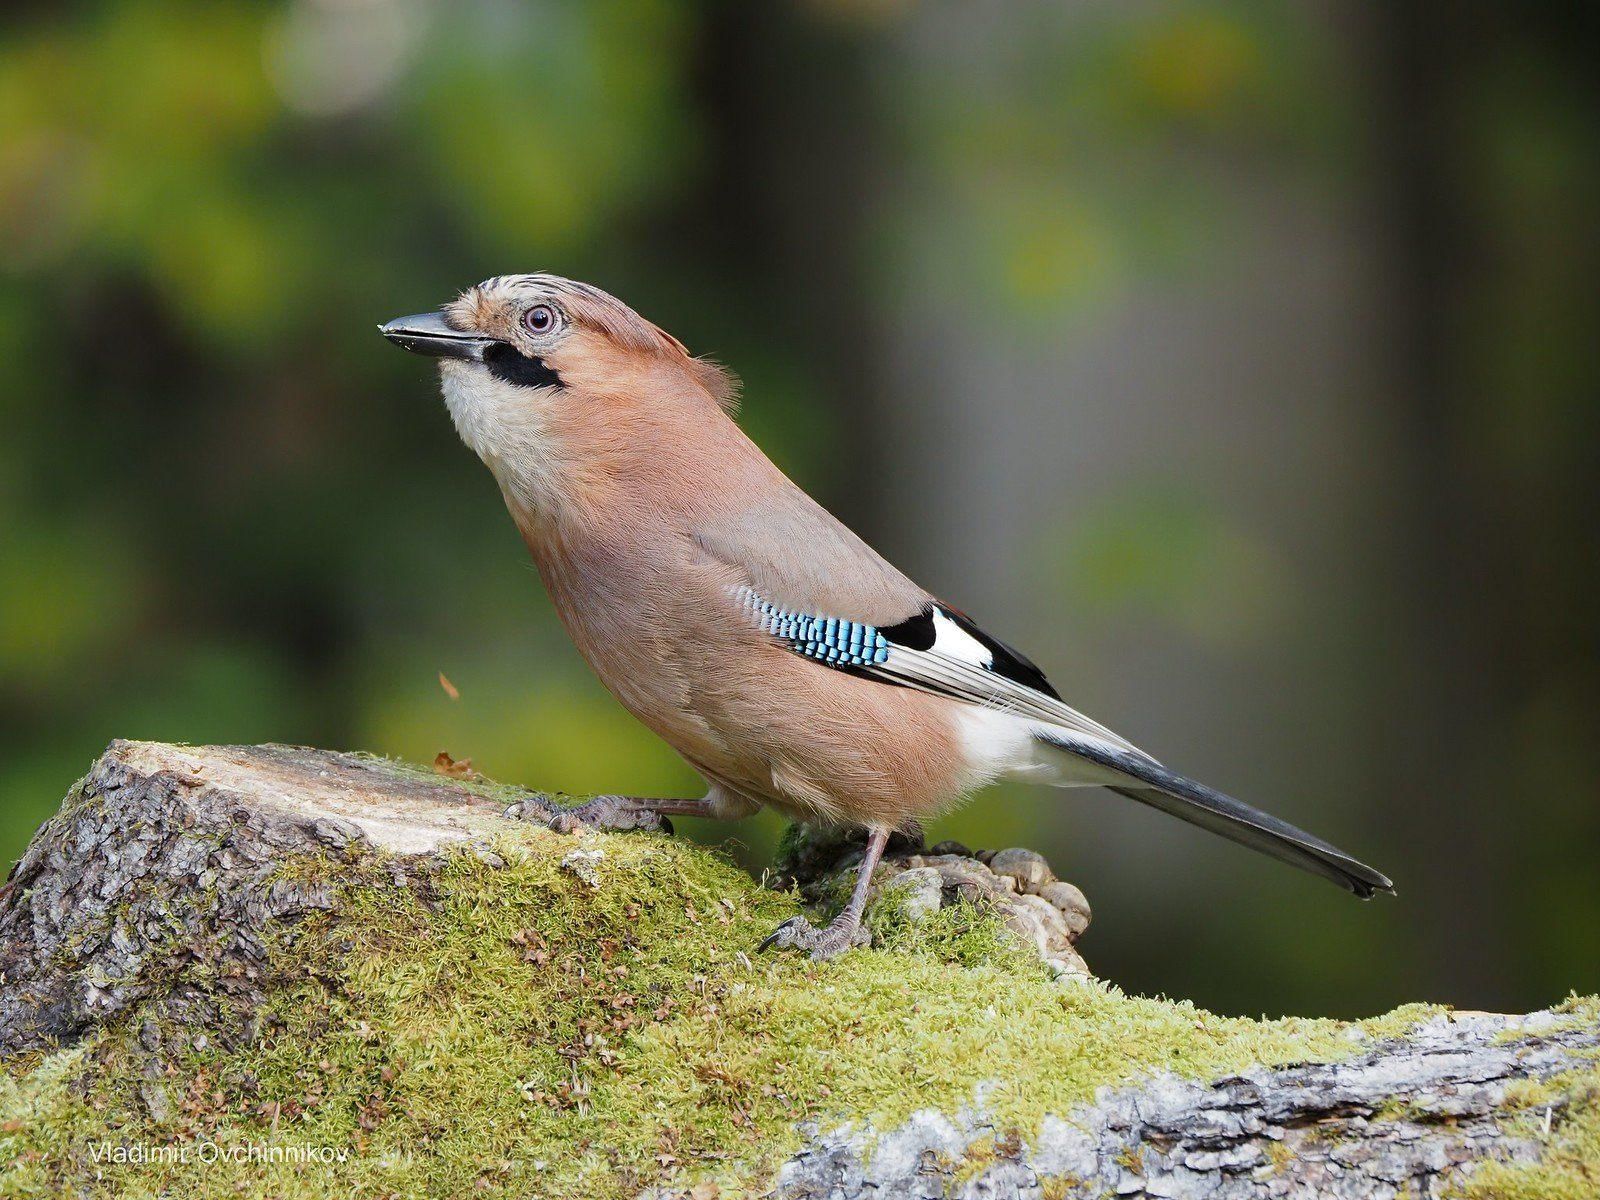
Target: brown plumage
{"x": 679, "y": 559}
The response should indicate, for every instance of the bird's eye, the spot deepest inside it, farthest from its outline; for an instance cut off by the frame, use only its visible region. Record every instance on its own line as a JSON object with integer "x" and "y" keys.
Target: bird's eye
{"x": 541, "y": 318}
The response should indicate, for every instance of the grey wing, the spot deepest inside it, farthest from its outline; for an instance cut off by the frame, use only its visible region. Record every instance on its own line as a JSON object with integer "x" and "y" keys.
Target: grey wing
{"x": 797, "y": 554}
{"x": 809, "y": 581}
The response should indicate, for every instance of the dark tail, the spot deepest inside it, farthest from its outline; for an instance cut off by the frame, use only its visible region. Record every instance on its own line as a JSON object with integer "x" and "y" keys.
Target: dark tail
{"x": 1153, "y": 784}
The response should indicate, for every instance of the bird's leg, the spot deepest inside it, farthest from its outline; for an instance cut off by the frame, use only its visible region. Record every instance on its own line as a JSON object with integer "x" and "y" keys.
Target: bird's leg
{"x": 611, "y": 812}
{"x": 845, "y": 930}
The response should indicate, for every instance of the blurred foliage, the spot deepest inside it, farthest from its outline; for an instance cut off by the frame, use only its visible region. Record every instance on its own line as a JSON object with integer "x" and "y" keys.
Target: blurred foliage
{"x": 228, "y": 511}
{"x": 1083, "y": 142}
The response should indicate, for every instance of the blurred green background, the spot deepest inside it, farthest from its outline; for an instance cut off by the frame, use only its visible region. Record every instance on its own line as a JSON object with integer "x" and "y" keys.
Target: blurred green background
{"x": 1236, "y": 359}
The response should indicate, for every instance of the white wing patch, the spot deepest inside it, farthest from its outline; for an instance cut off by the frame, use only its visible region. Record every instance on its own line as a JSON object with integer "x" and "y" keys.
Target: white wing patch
{"x": 955, "y": 642}
{"x": 951, "y": 662}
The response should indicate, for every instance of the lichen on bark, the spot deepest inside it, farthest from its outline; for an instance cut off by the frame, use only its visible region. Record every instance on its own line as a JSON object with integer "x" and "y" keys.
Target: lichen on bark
{"x": 274, "y": 947}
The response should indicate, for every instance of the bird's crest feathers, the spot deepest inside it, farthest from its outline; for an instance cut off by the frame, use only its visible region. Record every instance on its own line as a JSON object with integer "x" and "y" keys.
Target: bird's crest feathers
{"x": 599, "y": 310}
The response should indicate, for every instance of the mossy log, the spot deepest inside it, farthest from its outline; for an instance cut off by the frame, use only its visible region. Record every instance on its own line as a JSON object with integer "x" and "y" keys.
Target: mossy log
{"x": 277, "y": 972}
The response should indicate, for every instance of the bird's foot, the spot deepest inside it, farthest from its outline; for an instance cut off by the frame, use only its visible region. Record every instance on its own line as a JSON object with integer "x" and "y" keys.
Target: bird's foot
{"x": 603, "y": 812}
{"x": 830, "y": 941}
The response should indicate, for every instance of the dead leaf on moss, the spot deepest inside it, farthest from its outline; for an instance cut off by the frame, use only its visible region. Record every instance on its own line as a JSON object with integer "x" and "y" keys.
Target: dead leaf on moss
{"x": 443, "y": 764}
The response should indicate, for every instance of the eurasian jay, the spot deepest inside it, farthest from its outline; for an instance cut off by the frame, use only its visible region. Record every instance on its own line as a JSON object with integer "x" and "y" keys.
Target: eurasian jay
{"x": 728, "y": 611}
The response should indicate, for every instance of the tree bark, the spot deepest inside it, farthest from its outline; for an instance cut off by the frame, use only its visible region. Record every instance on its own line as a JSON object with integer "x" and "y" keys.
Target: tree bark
{"x": 165, "y": 857}
{"x": 1403, "y": 1120}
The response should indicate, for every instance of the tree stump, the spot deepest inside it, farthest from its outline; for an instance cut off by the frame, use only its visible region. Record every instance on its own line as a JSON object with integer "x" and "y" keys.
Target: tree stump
{"x": 279, "y": 971}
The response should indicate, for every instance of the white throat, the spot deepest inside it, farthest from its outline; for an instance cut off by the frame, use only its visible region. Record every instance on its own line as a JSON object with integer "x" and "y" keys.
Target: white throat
{"x": 509, "y": 428}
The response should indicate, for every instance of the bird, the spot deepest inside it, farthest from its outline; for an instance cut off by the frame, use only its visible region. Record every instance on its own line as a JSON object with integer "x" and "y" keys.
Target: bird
{"x": 783, "y": 658}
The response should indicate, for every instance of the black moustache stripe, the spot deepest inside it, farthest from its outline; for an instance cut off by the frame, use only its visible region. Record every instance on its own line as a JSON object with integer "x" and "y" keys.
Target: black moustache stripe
{"x": 505, "y": 363}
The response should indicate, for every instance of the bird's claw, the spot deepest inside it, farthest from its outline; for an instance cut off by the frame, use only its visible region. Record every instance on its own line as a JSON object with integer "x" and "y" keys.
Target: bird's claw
{"x": 614, "y": 813}
{"x": 822, "y": 944}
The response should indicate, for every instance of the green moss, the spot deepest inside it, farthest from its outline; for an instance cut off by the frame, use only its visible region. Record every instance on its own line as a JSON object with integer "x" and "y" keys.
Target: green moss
{"x": 478, "y": 785}
{"x": 40, "y": 1120}
{"x": 1564, "y": 1113}
{"x": 790, "y": 842}
{"x": 1575, "y": 1012}
{"x": 509, "y": 1030}
{"x": 977, "y": 1158}
{"x": 1279, "y": 1155}
{"x": 963, "y": 935}
{"x": 1531, "y": 1093}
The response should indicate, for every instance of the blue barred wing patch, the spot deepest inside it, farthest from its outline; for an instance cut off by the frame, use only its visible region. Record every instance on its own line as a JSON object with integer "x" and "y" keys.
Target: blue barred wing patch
{"x": 831, "y": 640}
{"x": 937, "y": 650}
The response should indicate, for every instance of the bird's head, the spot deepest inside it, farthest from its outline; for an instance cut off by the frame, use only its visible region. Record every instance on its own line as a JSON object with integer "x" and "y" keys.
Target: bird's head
{"x": 548, "y": 379}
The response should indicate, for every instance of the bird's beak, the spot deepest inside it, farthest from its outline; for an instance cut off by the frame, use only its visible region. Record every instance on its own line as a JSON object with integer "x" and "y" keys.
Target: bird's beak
{"x": 427, "y": 333}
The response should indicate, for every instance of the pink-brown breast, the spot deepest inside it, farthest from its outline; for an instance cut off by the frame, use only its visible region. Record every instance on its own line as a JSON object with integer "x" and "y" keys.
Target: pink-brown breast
{"x": 658, "y": 508}
{"x": 658, "y": 624}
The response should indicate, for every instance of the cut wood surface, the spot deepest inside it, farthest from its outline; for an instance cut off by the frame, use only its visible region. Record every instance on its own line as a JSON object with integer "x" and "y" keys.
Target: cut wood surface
{"x": 276, "y": 946}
